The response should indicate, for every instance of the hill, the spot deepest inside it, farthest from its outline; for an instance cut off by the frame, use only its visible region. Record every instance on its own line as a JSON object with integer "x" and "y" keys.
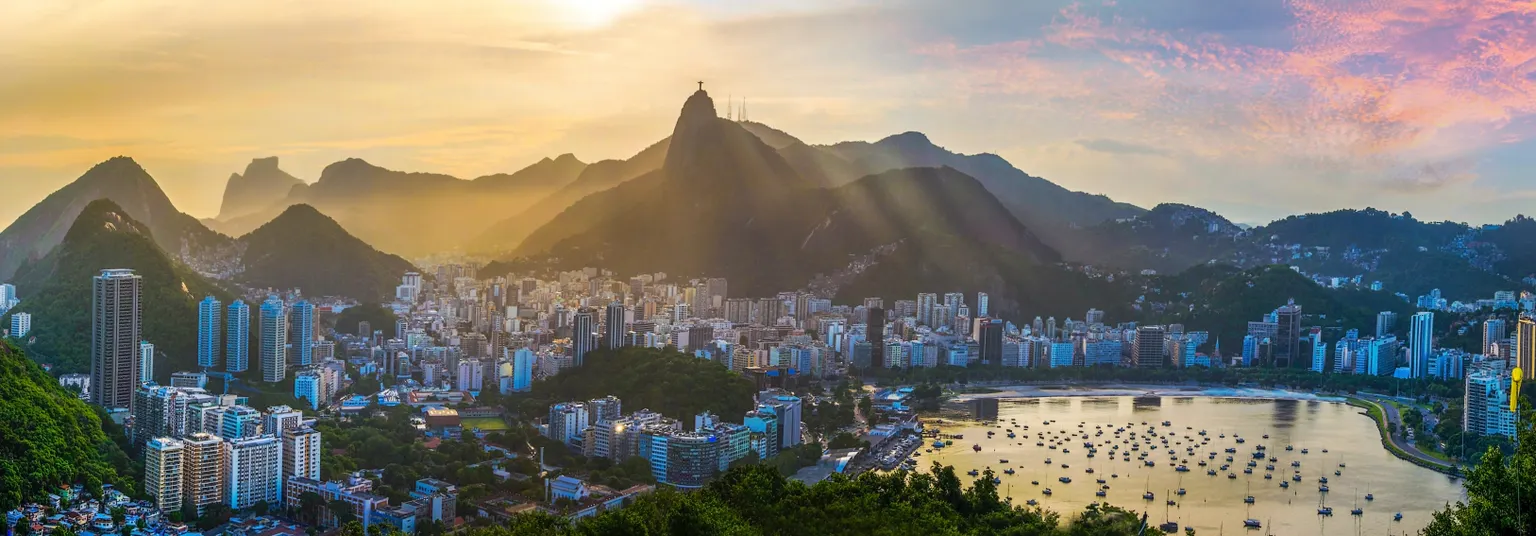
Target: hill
{"x": 123, "y": 181}
{"x": 57, "y": 292}
{"x": 1038, "y": 203}
{"x": 52, "y": 437}
{"x": 415, "y": 213}
{"x": 1168, "y": 238}
{"x": 725, "y": 203}
{"x": 505, "y": 235}
{"x": 262, "y": 186}
{"x": 664, "y": 380}
{"x": 1222, "y": 300}
{"x": 304, "y": 249}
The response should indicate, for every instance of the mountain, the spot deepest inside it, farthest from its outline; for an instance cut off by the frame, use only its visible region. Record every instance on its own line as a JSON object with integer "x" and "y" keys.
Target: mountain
{"x": 304, "y": 249}
{"x": 505, "y": 235}
{"x": 415, "y": 213}
{"x": 726, "y": 203}
{"x": 261, "y": 186}
{"x": 123, "y": 181}
{"x": 56, "y": 290}
{"x": 53, "y": 438}
{"x": 1038, "y": 203}
{"x": 1168, "y": 238}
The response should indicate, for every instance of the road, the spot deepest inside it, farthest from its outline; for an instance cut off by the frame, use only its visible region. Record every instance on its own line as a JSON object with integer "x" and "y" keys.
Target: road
{"x": 1395, "y": 420}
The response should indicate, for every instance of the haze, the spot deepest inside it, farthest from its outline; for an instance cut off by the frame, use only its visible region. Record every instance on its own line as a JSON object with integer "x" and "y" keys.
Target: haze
{"x": 1255, "y": 109}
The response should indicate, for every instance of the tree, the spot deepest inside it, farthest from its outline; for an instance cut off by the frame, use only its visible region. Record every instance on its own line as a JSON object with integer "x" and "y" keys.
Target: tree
{"x": 1500, "y": 490}
{"x": 342, "y": 512}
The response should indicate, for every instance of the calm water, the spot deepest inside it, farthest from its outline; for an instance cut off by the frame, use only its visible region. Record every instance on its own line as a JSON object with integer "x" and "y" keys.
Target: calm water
{"x": 1211, "y": 504}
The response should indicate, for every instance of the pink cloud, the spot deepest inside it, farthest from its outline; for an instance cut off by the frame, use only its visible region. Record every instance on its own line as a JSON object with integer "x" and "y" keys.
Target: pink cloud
{"x": 1382, "y": 85}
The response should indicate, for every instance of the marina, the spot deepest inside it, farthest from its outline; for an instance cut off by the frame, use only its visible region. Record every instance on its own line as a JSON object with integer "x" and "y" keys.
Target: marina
{"x": 1152, "y": 441}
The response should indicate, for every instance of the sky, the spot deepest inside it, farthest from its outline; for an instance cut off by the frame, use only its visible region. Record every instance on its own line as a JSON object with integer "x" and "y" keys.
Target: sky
{"x": 1253, "y": 108}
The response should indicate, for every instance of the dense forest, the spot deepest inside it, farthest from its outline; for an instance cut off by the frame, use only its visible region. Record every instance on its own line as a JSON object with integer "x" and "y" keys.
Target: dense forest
{"x": 48, "y": 437}
{"x": 666, "y": 381}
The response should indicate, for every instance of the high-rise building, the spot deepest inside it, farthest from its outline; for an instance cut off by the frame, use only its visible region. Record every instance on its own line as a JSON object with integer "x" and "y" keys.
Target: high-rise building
{"x": 567, "y": 421}
{"x": 1385, "y": 322}
{"x": 876, "y": 337}
{"x": 115, "y": 337}
{"x": 471, "y": 375}
{"x": 308, "y": 385}
{"x": 274, "y": 340}
{"x": 1148, "y": 351}
{"x": 583, "y": 336}
{"x": 1094, "y": 316}
{"x": 1288, "y": 337}
{"x": 209, "y": 326}
{"x": 613, "y": 324}
{"x": 302, "y": 320}
{"x": 523, "y": 361}
{"x": 1485, "y": 409}
{"x": 991, "y": 341}
{"x": 608, "y": 408}
{"x": 203, "y": 470}
{"x": 21, "y": 325}
{"x": 237, "y": 337}
{"x": 1421, "y": 342}
{"x": 301, "y": 453}
{"x": 253, "y": 472}
{"x": 163, "y": 472}
{"x": 981, "y": 304}
{"x": 146, "y": 361}
{"x": 925, "y": 303}
{"x": 1495, "y": 335}
{"x": 1525, "y": 347}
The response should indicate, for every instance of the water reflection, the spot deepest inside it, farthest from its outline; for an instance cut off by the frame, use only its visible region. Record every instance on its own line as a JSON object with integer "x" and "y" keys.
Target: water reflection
{"x": 1212, "y": 503}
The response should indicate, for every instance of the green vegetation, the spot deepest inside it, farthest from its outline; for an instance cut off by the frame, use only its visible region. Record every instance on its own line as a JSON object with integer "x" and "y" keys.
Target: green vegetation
{"x": 757, "y": 500}
{"x": 304, "y": 249}
{"x": 389, "y": 442}
{"x": 51, "y": 437}
{"x": 56, "y": 290}
{"x": 377, "y": 316}
{"x": 1500, "y": 490}
{"x": 485, "y": 424}
{"x": 666, "y": 381}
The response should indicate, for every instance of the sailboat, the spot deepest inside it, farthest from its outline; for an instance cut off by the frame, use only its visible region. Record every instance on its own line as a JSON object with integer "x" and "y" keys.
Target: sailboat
{"x": 1148, "y": 495}
{"x": 1251, "y": 522}
{"x": 1357, "y": 511}
{"x": 1249, "y": 498}
{"x": 1322, "y": 507}
{"x": 1168, "y": 525}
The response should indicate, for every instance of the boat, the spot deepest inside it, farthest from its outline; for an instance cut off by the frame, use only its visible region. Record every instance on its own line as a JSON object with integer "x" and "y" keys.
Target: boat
{"x": 1397, "y": 517}
{"x": 1232, "y": 476}
{"x": 1325, "y": 511}
{"x": 1322, "y": 479}
{"x": 1252, "y": 523}
{"x": 976, "y": 448}
{"x": 1303, "y": 451}
{"x": 1002, "y": 460}
{"x": 1031, "y": 502}
{"x": 1065, "y": 480}
{"x": 1323, "y": 488}
{"x": 1147, "y": 496}
{"x": 1034, "y": 482}
{"x": 1288, "y": 447}
{"x": 1296, "y": 477}
{"x": 1008, "y": 471}
{"x": 1336, "y": 473}
{"x": 1100, "y": 493}
{"x": 1269, "y": 476}
{"x": 1046, "y": 491}
{"x": 1248, "y": 499}
{"x": 1284, "y": 484}
{"x": 973, "y": 472}
{"x": 1211, "y": 472}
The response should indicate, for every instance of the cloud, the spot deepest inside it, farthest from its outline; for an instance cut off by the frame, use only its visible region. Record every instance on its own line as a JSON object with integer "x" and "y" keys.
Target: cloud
{"x": 1105, "y": 145}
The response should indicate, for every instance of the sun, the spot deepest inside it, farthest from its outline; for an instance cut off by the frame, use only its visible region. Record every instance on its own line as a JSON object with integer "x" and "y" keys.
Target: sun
{"x": 596, "y": 12}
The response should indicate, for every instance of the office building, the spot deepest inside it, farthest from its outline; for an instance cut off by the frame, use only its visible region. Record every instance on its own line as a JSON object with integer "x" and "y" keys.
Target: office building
{"x": 1148, "y": 351}
{"x": 1421, "y": 343}
{"x": 210, "y": 316}
{"x": 274, "y": 340}
{"x": 876, "y": 336}
{"x": 583, "y": 336}
{"x": 990, "y": 339}
{"x": 253, "y": 472}
{"x": 523, "y": 361}
{"x": 115, "y": 337}
{"x": 925, "y": 303}
{"x": 1287, "y": 341}
{"x": 21, "y": 325}
{"x": 163, "y": 478}
{"x": 189, "y": 379}
{"x": 309, "y": 385}
{"x": 237, "y": 337}
{"x": 613, "y": 324}
{"x": 981, "y": 304}
{"x": 302, "y": 320}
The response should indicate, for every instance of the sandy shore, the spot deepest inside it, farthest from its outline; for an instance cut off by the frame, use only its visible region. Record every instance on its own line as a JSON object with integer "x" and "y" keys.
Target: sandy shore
{"x": 1036, "y": 391}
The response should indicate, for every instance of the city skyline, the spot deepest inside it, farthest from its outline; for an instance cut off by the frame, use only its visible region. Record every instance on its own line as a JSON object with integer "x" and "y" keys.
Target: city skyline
{"x": 1192, "y": 101}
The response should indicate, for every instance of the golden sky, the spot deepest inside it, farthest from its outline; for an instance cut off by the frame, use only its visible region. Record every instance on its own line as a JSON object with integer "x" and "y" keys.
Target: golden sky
{"x": 1268, "y": 108}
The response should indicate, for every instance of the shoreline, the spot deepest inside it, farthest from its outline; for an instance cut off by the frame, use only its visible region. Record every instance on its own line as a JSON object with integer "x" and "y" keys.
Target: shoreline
{"x": 1035, "y": 391}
